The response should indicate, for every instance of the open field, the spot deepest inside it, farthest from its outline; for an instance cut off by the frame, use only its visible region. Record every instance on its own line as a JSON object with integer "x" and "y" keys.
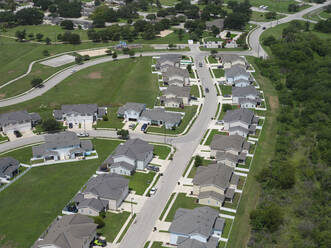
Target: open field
{"x": 108, "y": 84}
{"x": 31, "y": 203}
{"x": 260, "y": 17}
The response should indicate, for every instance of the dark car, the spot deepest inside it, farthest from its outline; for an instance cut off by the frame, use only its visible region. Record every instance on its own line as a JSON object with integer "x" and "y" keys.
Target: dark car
{"x": 194, "y": 98}
{"x": 153, "y": 168}
{"x": 207, "y": 90}
{"x": 144, "y": 128}
{"x": 17, "y": 134}
{"x": 200, "y": 64}
{"x": 263, "y": 28}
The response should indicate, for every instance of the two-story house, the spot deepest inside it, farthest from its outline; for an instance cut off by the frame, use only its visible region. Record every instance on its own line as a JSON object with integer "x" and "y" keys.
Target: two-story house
{"x": 176, "y": 76}
{"x": 175, "y": 96}
{"x": 167, "y": 60}
{"x": 236, "y": 72}
{"x": 131, "y": 111}
{"x": 246, "y": 97}
{"x": 229, "y": 60}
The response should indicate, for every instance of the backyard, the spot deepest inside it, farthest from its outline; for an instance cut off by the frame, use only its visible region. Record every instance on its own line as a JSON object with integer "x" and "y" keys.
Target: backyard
{"x": 30, "y": 204}
{"x": 113, "y": 224}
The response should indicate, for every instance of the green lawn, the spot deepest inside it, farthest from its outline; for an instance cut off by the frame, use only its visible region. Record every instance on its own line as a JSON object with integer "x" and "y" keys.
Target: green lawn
{"x": 260, "y": 17}
{"x": 211, "y": 135}
{"x": 114, "y": 223}
{"x": 227, "y": 227}
{"x": 234, "y": 203}
{"x": 162, "y": 151}
{"x": 212, "y": 60}
{"x": 157, "y": 245}
{"x": 22, "y": 154}
{"x": 172, "y": 38}
{"x": 189, "y": 113}
{"x": 139, "y": 181}
{"x": 226, "y": 89}
{"x": 166, "y": 206}
{"x": 195, "y": 91}
{"x": 113, "y": 121}
{"x": 30, "y": 204}
{"x": 168, "y": 2}
{"x": 111, "y": 83}
{"x": 3, "y": 138}
{"x": 218, "y": 73}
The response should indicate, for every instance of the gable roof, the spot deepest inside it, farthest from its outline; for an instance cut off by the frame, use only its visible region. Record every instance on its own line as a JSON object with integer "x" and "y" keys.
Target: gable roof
{"x": 241, "y": 81}
{"x": 8, "y": 165}
{"x": 131, "y": 106}
{"x": 174, "y": 58}
{"x": 79, "y": 109}
{"x": 236, "y": 70}
{"x": 70, "y": 231}
{"x": 175, "y": 71}
{"x": 244, "y": 91}
{"x": 159, "y": 114}
{"x": 231, "y": 58}
{"x": 200, "y": 221}
{"x": 123, "y": 165}
{"x": 93, "y": 203}
{"x": 214, "y": 174}
{"x": 224, "y": 143}
{"x": 108, "y": 186}
{"x": 177, "y": 91}
{"x": 241, "y": 114}
{"x": 18, "y": 117}
{"x": 193, "y": 243}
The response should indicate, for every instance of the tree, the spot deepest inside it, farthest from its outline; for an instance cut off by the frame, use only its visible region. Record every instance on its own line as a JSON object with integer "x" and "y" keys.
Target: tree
{"x": 79, "y": 59}
{"x": 269, "y": 40}
{"x": 198, "y": 161}
{"x": 47, "y": 41}
{"x": 31, "y": 36}
{"x": 293, "y": 7}
{"x": 36, "y": 82}
{"x": 45, "y": 53}
{"x": 70, "y": 38}
{"x": 180, "y": 33}
{"x": 215, "y": 30}
{"x": 271, "y": 15}
{"x": 131, "y": 53}
{"x": 99, "y": 221}
{"x": 39, "y": 36}
{"x": 149, "y": 32}
{"x": 109, "y": 52}
{"x": 20, "y": 35}
{"x": 67, "y": 24}
{"x": 114, "y": 56}
{"x": 213, "y": 52}
{"x": 151, "y": 17}
{"x": 71, "y": 9}
{"x": 268, "y": 217}
{"x": 189, "y": 68}
{"x": 29, "y": 16}
{"x": 50, "y": 125}
{"x": 86, "y": 57}
{"x": 124, "y": 134}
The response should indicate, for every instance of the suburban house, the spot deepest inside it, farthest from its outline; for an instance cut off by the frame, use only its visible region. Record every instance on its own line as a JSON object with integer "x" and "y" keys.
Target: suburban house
{"x": 167, "y": 60}
{"x": 241, "y": 83}
{"x": 9, "y": 167}
{"x": 79, "y": 115}
{"x": 112, "y": 188}
{"x": 233, "y": 144}
{"x": 131, "y": 111}
{"x": 90, "y": 206}
{"x": 133, "y": 154}
{"x": 62, "y": 146}
{"x": 69, "y": 231}
{"x": 215, "y": 183}
{"x": 198, "y": 227}
{"x": 219, "y": 23}
{"x": 175, "y": 96}
{"x": 229, "y": 60}
{"x": 246, "y": 97}
{"x": 240, "y": 121}
{"x": 176, "y": 76}
{"x": 159, "y": 117}
{"x": 236, "y": 72}
{"x": 20, "y": 121}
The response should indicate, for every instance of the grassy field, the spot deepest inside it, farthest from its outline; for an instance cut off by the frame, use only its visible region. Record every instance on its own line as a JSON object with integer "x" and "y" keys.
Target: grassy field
{"x": 23, "y": 155}
{"x": 107, "y": 84}
{"x": 218, "y": 73}
{"x": 189, "y": 113}
{"x": 113, "y": 121}
{"x": 212, "y": 60}
{"x": 139, "y": 181}
{"x": 260, "y": 17}
{"x": 265, "y": 149}
{"x": 226, "y": 90}
{"x": 30, "y": 204}
{"x": 162, "y": 151}
{"x": 113, "y": 224}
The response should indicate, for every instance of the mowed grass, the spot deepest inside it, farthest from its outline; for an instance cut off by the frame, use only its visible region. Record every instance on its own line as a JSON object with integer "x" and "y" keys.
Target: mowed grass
{"x": 260, "y": 17}
{"x": 195, "y": 91}
{"x": 108, "y": 84}
{"x": 140, "y": 181}
{"x": 113, "y": 224}
{"x": 23, "y": 155}
{"x": 240, "y": 233}
{"x": 30, "y": 204}
{"x": 161, "y": 151}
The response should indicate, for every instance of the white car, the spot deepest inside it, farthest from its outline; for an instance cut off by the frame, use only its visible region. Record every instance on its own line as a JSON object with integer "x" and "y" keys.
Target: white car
{"x": 82, "y": 134}
{"x": 153, "y": 191}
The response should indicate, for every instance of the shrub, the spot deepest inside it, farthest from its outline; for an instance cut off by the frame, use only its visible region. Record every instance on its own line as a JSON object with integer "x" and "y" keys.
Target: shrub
{"x": 99, "y": 221}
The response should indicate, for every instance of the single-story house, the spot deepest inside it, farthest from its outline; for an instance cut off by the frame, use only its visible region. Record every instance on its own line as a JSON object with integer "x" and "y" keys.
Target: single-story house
{"x": 229, "y": 60}
{"x": 9, "y": 167}
{"x": 112, "y": 188}
{"x": 236, "y": 72}
{"x": 21, "y": 121}
{"x": 211, "y": 184}
{"x": 62, "y": 146}
{"x": 230, "y": 159}
{"x": 168, "y": 60}
{"x": 176, "y": 92}
{"x": 159, "y": 117}
{"x": 171, "y": 102}
{"x": 240, "y": 121}
{"x": 241, "y": 83}
{"x": 79, "y": 115}
{"x": 233, "y": 144}
{"x": 176, "y": 76}
{"x": 133, "y": 154}
{"x": 199, "y": 225}
{"x": 69, "y": 231}
{"x": 219, "y": 23}
{"x": 131, "y": 111}
{"x": 247, "y": 97}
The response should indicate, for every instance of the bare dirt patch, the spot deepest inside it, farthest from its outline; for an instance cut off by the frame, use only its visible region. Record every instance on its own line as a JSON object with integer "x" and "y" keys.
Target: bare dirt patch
{"x": 10, "y": 72}
{"x": 274, "y": 103}
{"x": 2, "y": 96}
{"x": 95, "y": 75}
{"x": 96, "y": 52}
{"x": 166, "y": 32}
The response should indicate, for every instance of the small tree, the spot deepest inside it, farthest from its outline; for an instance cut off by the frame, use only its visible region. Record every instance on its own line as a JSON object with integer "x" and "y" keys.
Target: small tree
{"x": 47, "y": 41}
{"x": 124, "y": 134}
{"x": 114, "y": 56}
{"x": 50, "y": 125}
{"x": 39, "y": 36}
{"x": 228, "y": 34}
{"x": 31, "y": 36}
{"x": 67, "y": 24}
{"x": 79, "y": 59}
{"x": 105, "y": 118}
{"x": 109, "y": 52}
{"x": 86, "y": 57}
{"x": 189, "y": 68}
{"x": 126, "y": 50}
{"x": 213, "y": 52}
{"x": 131, "y": 53}
{"x": 215, "y": 30}
{"x": 36, "y": 82}
{"x": 45, "y": 53}
{"x": 99, "y": 221}
{"x": 20, "y": 35}
{"x": 198, "y": 161}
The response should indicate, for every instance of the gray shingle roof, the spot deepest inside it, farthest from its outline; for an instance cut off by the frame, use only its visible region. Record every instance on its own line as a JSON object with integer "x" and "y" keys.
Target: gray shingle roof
{"x": 200, "y": 220}
{"x": 96, "y": 204}
{"x": 109, "y": 186}
{"x": 8, "y": 165}
{"x": 214, "y": 174}
{"x": 192, "y": 243}
{"x": 137, "y": 107}
{"x": 238, "y": 81}
{"x": 244, "y": 91}
{"x": 211, "y": 194}
{"x": 18, "y": 117}
{"x": 172, "y": 99}
{"x": 159, "y": 114}
{"x": 230, "y": 58}
{"x": 219, "y": 23}
{"x": 240, "y": 114}
{"x": 87, "y": 145}
{"x": 172, "y": 58}
{"x": 124, "y": 165}
{"x": 71, "y": 231}
{"x": 224, "y": 143}
{"x": 248, "y": 100}
{"x": 221, "y": 156}
{"x": 177, "y": 91}
{"x": 175, "y": 71}
{"x": 236, "y": 70}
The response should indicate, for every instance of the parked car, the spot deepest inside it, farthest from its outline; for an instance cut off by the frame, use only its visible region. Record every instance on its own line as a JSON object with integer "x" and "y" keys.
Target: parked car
{"x": 83, "y": 134}
{"x": 144, "y": 128}
{"x": 194, "y": 98}
{"x": 17, "y": 134}
{"x": 100, "y": 242}
{"x": 263, "y": 28}
{"x": 132, "y": 126}
{"x": 219, "y": 122}
{"x": 153, "y": 168}
{"x": 153, "y": 191}
{"x": 200, "y": 64}
{"x": 207, "y": 90}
